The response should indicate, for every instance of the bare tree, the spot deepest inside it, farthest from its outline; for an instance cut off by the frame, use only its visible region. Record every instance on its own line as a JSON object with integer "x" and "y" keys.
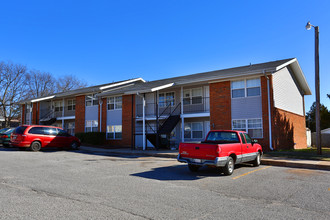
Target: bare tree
{"x": 40, "y": 83}
{"x": 12, "y": 90}
{"x": 69, "y": 82}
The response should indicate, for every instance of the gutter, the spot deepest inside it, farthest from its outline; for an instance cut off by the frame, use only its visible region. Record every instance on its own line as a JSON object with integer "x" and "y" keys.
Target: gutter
{"x": 269, "y": 114}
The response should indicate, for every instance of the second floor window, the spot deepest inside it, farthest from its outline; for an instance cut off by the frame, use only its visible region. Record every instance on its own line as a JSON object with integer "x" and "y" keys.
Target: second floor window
{"x": 71, "y": 104}
{"x": 91, "y": 100}
{"x": 166, "y": 99}
{"x": 192, "y": 96}
{"x": 58, "y": 106}
{"x": 114, "y": 103}
{"x": 245, "y": 88}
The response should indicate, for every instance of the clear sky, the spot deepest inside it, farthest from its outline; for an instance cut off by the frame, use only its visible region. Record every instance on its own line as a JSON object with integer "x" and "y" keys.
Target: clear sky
{"x": 105, "y": 41}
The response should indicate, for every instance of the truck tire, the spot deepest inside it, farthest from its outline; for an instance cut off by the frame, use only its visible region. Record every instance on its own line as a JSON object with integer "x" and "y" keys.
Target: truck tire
{"x": 256, "y": 161}
{"x": 229, "y": 167}
{"x": 193, "y": 168}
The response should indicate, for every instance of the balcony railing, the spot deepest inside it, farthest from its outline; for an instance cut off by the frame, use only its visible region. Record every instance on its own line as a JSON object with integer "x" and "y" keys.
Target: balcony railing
{"x": 190, "y": 106}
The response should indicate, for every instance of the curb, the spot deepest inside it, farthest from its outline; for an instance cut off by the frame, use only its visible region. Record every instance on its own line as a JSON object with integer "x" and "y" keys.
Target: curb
{"x": 264, "y": 161}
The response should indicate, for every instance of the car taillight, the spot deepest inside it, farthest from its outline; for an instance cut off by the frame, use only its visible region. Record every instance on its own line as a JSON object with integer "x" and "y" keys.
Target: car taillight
{"x": 4, "y": 136}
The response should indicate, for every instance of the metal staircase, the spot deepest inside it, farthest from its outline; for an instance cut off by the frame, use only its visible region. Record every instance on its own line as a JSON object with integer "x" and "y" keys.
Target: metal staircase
{"x": 48, "y": 118}
{"x": 165, "y": 128}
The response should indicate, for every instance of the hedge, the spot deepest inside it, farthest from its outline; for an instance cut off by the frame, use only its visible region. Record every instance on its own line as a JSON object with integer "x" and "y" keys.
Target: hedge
{"x": 97, "y": 138}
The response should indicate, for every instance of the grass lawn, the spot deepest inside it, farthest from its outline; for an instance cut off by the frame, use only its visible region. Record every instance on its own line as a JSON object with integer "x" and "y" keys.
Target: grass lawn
{"x": 308, "y": 153}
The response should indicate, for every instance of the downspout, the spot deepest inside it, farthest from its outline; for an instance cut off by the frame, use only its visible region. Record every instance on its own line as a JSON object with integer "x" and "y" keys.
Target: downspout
{"x": 143, "y": 120}
{"x": 269, "y": 114}
{"x": 101, "y": 102}
{"x": 63, "y": 103}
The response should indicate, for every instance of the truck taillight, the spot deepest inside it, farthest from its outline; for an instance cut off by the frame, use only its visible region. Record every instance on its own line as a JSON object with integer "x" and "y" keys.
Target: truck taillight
{"x": 218, "y": 150}
{"x": 4, "y": 136}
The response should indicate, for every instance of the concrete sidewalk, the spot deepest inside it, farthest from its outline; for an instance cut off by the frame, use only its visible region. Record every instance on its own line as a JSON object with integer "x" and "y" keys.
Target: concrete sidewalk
{"x": 267, "y": 160}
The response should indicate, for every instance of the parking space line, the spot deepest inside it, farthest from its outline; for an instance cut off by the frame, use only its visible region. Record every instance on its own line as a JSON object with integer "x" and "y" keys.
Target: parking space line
{"x": 329, "y": 189}
{"x": 236, "y": 177}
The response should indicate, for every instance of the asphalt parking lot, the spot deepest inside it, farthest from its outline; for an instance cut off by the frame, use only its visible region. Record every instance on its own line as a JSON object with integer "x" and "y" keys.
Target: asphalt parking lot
{"x": 77, "y": 185}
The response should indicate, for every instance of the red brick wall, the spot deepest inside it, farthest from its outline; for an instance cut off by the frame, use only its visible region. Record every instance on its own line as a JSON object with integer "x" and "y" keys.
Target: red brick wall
{"x": 23, "y": 115}
{"x": 80, "y": 114}
{"x": 220, "y": 105}
{"x": 289, "y": 130}
{"x": 35, "y": 111}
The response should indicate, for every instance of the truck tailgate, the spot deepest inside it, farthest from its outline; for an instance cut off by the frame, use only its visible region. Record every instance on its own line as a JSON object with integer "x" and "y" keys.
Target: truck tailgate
{"x": 198, "y": 151}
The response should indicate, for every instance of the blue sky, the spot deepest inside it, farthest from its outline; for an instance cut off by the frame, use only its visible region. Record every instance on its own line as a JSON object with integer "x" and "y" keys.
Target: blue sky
{"x": 105, "y": 41}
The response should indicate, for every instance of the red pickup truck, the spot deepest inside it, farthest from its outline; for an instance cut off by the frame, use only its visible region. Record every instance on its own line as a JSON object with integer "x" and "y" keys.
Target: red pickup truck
{"x": 221, "y": 148}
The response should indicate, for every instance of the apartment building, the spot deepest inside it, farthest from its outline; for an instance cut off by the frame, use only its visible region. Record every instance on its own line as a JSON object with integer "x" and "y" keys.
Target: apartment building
{"x": 266, "y": 100}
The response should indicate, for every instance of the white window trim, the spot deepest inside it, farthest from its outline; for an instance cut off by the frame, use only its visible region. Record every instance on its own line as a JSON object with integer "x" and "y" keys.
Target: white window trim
{"x": 245, "y": 89}
{"x": 93, "y": 98}
{"x": 60, "y": 106}
{"x": 191, "y": 131}
{"x": 91, "y": 125}
{"x": 191, "y": 97}
{"x": 114, "y": 133}
{"x": 114, "y": 103}
{"x": 165, "y": 99}
{"x": 247, "y": 126}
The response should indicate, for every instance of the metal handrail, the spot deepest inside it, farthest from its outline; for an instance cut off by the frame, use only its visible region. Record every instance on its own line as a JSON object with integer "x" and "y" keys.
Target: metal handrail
{"x": 47, "y": 115}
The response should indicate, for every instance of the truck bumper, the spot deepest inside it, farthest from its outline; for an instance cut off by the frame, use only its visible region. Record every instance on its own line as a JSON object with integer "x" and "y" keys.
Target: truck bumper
{"x": 218, "y": 161}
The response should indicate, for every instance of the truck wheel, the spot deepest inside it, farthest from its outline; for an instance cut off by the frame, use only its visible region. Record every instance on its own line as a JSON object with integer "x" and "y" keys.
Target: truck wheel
{"x": 35, "y": 146}
{"x": 256, "y": 161}
{"x": 193, "y": 168}
{"x": 229, "y": 167}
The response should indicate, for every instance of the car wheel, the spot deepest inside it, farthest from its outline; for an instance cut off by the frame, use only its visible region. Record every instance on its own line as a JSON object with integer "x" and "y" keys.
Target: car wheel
{"x": 35, "y": 146}
{"x": 256, "y": 161}
{"x": 74, "y": 145}
{"x": 229, "y": 167}
{"x": 193, "y": 168}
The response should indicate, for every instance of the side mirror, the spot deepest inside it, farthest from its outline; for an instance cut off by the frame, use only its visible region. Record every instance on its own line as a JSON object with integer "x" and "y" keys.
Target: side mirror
{"x": 254, "y": 141}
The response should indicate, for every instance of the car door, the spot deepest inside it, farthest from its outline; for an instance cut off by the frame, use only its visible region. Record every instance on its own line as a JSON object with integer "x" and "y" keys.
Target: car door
{"x": 245, "y": 148}
{"x": 62, "y": 138}
{"x": 50, "y": 136}
{"x": 250, "y": 149}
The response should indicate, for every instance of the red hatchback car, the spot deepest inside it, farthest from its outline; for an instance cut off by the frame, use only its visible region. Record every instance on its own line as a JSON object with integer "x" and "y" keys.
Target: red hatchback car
{"x": 36, "y": 137}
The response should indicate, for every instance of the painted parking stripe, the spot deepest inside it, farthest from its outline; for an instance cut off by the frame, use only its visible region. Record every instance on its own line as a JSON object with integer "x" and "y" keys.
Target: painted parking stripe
{"x": 234, "y": 178}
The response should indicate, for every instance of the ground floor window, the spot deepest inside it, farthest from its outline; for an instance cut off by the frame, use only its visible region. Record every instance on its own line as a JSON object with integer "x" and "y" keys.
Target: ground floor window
{"x": 193, "y": 130}
{"x": 114, "y": 132}
{"x": 70, "y": 127}
{"x": 252, "y": 126}
{"x": 91, "y": 126}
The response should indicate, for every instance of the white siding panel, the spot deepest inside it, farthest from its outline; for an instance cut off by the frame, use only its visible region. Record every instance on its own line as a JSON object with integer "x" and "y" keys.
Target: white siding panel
{"x": 244, "y": 108}
{"x": 91, "y": 112}
{"x": 286, "y": 92}
{"x": 114, "y": 117}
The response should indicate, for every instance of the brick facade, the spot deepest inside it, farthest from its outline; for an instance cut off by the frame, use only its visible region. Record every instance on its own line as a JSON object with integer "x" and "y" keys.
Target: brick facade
{"x": 35, "y": 112}
{"x": 23, "y": 114}
{"x": 220, "y": 105}
{"x": 80, "y": 114}
{"x": 289, "y": 131}
{"x": 104, "y": 115}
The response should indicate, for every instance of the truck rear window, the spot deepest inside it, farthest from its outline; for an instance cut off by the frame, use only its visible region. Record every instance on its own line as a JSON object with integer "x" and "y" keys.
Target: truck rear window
{"x": 20, "y": 130}
{"x": 223, "y": 137}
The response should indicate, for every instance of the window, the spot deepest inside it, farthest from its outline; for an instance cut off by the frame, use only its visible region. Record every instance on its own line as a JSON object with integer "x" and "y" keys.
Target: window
{"x": 245, "y": 88}
{"x": 91, "y": 126}
{"x": 70, "y": 127}
{"x": 114, "y": 132}
{"x": 252, "y": 126}
{"x": 223, "y": 136}
{"x": 50, "y": 131}
{"x": 71, "y": 104}
{"x": 243, "y": 139}
{"x": 166, "y": 99}
{"x": 193, "y": 130}
{"x": 58, "y": 106}
{"x": 114, "y": 103}
{"x": 192, "y": 96}
{"x": 36, "y": 130}
{"x": 248, "y": 139}
{"x": 91, "y": 100}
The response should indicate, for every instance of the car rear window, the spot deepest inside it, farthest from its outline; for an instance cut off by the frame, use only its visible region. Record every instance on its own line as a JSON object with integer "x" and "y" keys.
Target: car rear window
{"x": 20, "y": 130}
{"x": 36, "y": 130}
{"x": 223, "y": 136}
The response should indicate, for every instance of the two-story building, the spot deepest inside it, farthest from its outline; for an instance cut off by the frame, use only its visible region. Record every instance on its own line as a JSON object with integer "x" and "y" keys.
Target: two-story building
{"x": 266, "y": 100}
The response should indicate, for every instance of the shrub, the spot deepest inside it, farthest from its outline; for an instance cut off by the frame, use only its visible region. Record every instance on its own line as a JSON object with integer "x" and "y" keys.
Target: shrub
{"x": 97, "y": 138}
